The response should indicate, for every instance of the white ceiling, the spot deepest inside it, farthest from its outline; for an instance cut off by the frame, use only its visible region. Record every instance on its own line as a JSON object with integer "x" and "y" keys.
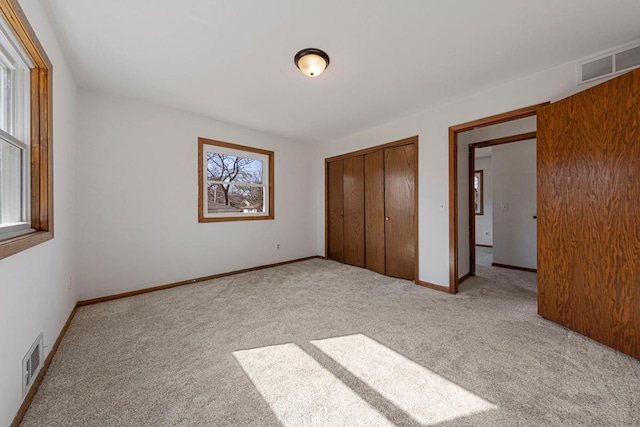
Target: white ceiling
{"x": 233, "y": 60}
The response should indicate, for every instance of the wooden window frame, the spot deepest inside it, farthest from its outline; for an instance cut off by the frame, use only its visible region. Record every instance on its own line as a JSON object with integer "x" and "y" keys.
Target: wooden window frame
{"x": 270, "y": 184}
{"x": 41, "y": 188}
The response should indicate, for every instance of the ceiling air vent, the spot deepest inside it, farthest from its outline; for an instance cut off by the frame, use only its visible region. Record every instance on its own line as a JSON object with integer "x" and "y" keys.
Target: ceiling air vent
{"x": 31, "y": 364}
{"x": 606, "y": 65}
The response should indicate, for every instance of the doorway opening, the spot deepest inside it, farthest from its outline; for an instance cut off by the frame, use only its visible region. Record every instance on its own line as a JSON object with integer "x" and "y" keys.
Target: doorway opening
{"x": 512, "y": 168}
{"x": 462, "y": 185}
{"x": 502, "y": 214}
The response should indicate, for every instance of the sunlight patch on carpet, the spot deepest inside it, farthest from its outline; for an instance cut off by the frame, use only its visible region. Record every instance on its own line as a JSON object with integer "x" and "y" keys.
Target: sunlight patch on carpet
{"x": 300, "y": 391}
{"x": 424, "y": 395}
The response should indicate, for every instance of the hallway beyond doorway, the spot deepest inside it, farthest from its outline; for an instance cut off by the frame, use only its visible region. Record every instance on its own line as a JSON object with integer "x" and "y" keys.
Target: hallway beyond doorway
{"x": 522, "y": 279}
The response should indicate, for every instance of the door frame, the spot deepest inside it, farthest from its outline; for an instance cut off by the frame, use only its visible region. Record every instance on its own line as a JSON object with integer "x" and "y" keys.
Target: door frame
{"x": 453, "y": 179}
{"x": 406, "y": 141}
{"x": 472, "y": 214}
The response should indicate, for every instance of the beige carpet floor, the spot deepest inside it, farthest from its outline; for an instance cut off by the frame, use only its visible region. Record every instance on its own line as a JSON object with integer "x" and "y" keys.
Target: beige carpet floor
{"x": 322, "y": 343}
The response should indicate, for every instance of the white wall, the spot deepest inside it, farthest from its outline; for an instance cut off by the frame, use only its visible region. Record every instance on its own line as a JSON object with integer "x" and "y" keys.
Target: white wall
{"x": 138, "y": 191}
{"x": 514, "y": 173}
{"x": 484, "y": 222}
{"x": 34, "y": 284}
{"x": 432, "y": 127}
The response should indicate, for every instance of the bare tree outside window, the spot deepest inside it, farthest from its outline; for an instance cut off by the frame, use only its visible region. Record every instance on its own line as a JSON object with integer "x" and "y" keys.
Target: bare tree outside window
{"x": 232, "y": 178}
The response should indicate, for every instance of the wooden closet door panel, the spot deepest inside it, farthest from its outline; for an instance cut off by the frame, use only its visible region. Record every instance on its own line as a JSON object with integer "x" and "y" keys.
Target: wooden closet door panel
{"x": 354, "y": 211}
{"x": 374, "y": 211}
{"x": 589, "y": 213}
{"x": 336, "y": 210}
{"x": 399, "y": 172}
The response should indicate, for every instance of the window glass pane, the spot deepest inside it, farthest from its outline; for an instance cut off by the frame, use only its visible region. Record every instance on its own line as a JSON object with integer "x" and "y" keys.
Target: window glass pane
{"x": 6, "y": 104}
{"x": 10, "y": 183}
{"x": 218, "y": 200}
{"x": 233, "y": 198}
{"x": 229, "y": 168}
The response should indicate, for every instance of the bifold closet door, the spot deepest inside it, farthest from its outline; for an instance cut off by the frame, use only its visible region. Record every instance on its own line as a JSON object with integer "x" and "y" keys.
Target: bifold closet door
{"x": 374, "y": 211}
{"x": 399, "y": 201}
{"x": 354, "y": 211}
{"x": 336, "y": 209}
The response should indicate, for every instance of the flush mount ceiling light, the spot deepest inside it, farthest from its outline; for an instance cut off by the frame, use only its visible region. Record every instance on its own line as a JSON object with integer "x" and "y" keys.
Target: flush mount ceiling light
{"x": 312, "y": 62}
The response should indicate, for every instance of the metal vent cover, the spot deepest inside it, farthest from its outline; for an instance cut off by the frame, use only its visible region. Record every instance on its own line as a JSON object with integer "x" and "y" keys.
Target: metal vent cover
{"x": 609, "y": 64}
{"x": 31, "y": 364}
{"x": 628, "y": 59}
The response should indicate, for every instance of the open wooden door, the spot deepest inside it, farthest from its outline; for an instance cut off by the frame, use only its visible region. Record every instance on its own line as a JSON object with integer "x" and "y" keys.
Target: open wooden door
{"x": 589, "y": 213}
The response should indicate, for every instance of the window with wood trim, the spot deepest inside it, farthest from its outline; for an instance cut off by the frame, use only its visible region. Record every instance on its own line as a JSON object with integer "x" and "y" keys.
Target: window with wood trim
{"x": 235, "y": 182}
{"x": 26, "y": 187}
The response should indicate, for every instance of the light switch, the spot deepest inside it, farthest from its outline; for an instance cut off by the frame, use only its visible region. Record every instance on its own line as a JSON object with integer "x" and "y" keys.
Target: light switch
{"x": 443, "y": 206}
{"x": 505, "y": 207}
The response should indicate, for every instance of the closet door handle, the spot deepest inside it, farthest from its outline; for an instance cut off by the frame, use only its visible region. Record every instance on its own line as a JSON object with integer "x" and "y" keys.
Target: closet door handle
{"x": 386, "y": 218}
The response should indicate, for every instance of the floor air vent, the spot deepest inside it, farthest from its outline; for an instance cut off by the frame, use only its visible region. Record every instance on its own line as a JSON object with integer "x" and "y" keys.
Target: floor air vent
{"x": 612, "y": 63}
{"x": 31, "y": 364}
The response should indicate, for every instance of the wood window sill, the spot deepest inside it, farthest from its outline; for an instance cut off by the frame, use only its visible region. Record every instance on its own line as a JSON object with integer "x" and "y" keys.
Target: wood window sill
{"x": 18, "y": 244}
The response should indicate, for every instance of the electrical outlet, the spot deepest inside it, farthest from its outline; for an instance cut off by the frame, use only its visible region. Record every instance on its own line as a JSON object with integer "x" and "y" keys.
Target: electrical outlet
{"x": 486, "y": 233}
{"x": 505, "y": 207}
{"x": 277, "y": 246}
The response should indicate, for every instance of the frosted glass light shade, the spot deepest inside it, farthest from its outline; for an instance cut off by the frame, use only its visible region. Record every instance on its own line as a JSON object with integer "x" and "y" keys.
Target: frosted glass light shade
{"x": 312, "y": 62}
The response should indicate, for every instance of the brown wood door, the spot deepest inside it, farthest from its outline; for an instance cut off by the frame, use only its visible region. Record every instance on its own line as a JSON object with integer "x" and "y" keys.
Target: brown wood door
{"x": 400, "y": 221}
{"x": 589, "y": 213}
{"x": 374, "y": 211}
{"x": 354, "y": 211}
{"x": 336, "y": 210}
